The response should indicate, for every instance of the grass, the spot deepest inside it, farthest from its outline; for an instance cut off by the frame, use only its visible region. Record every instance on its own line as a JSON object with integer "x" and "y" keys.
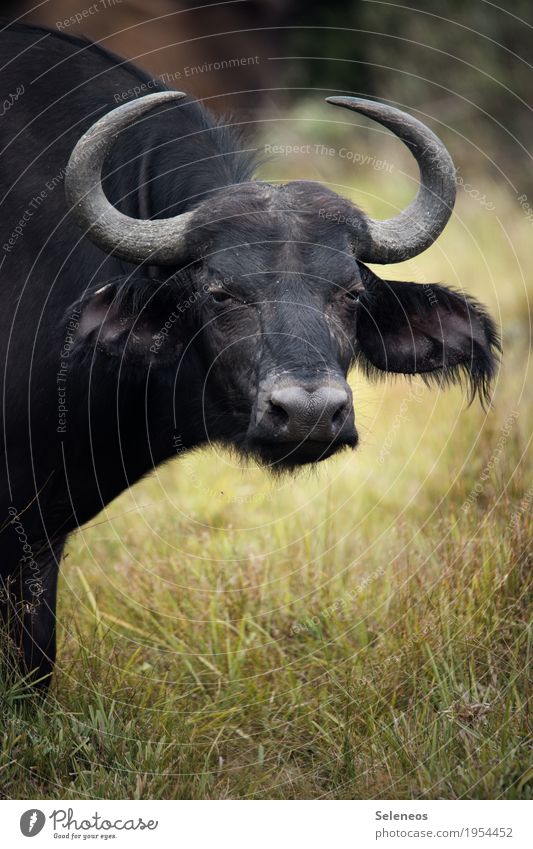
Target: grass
{"x": 361, "y": 631}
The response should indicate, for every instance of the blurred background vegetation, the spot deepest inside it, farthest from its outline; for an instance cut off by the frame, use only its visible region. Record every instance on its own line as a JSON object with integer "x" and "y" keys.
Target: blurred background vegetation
{"x": 464, "y": 63}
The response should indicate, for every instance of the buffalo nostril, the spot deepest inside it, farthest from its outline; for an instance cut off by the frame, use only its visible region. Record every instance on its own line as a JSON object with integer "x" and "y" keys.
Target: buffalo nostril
{"x": 333, "y": 405}
{"x": 339, "y": 416}
{"x": 336, "y": 404}
{"x": 277, "y": 413}
{"x": 287, "y": 400}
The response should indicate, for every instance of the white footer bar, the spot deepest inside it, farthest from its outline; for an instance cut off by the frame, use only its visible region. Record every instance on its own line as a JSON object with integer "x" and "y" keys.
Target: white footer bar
{"x": 268, "y": 824}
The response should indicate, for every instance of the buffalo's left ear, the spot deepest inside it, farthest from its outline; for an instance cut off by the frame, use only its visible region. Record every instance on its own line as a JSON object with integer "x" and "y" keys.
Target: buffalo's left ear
{"x": 412, "y": 328}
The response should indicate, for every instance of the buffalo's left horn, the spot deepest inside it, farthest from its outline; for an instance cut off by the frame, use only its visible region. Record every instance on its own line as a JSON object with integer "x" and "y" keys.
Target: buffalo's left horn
{"x": 160, "y": 242}
{"x": 417, "y": 227}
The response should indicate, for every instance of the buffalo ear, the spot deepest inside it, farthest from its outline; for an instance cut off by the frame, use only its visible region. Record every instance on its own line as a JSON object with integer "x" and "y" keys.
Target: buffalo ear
{"x": 135, "y": 320}
{"x": 408, "y": 328}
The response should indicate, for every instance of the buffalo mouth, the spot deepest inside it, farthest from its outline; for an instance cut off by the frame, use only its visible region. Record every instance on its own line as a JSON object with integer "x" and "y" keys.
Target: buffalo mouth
{"x": 281, "y": 455}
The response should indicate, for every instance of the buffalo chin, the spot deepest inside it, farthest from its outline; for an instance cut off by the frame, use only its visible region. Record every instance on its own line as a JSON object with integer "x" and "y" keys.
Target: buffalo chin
{"x": 280, "y": 456}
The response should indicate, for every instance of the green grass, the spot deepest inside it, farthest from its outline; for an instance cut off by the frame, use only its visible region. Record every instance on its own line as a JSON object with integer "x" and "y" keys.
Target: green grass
{"x": 361, "y": 631}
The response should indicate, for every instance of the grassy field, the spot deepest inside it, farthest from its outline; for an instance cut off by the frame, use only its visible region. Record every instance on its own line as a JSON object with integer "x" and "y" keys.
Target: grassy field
{"x": 360, "y": 631}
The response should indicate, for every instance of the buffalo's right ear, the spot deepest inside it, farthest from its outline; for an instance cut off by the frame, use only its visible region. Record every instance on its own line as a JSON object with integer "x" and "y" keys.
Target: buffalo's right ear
{"x": 135, "y": 320}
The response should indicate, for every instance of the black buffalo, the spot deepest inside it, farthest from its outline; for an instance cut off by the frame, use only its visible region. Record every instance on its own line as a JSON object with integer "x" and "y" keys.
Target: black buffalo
{"x": 155, "y": 297}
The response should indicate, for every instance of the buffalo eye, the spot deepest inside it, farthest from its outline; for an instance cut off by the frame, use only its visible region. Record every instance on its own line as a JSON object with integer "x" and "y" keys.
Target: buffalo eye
{"x": 351, "y": 296}
{"x": 221, "y": 297}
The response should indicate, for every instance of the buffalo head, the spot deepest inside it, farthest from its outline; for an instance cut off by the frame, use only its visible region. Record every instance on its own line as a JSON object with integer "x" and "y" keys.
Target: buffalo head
{"x": 278, "y": 302}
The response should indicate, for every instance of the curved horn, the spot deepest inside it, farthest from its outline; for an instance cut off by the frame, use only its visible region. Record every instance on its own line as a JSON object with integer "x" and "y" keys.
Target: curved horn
{"x": 417, "y": 227}
{"x": 161, "y": 242}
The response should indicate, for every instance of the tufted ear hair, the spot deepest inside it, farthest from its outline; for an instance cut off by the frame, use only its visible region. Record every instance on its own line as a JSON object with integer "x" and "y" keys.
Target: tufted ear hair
{"x": 135, "y": 319}
{"x": 427, "y": 329}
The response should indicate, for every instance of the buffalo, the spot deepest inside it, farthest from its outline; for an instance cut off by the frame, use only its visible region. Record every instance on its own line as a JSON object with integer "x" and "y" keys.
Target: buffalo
{"x": 156, "y": 297}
